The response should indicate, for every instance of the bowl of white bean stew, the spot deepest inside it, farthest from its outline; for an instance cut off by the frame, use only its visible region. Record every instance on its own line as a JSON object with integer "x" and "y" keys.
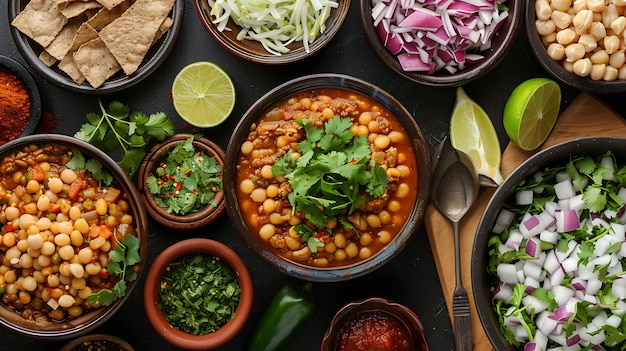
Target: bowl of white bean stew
{"x": 73, "y": 234}
{"x": 547, "y": 267}
{"x": 580, "y": 43}
{"x": 327, "y": 177}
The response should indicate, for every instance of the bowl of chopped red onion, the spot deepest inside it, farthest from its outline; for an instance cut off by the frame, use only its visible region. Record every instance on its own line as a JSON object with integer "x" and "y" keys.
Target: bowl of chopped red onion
{"x": 586, "y": 54}
{"x": 441, "y": 43}
{"x": 548, "y": 260}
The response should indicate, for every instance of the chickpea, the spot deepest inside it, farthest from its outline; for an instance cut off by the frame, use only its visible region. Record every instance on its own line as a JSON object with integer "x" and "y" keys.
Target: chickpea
{"x": 67, "y": 252}
{"x": 365, "y": 239}
{"x": 32, "y": 186}
{"x": 384, "y": 236}
{"x": 92, "y": 268}
{"x": 47, "y": 248}
{"x": 365, "y": 118}
{"x": 393, "y": 205}
{"x": 302, "y": 254}
{"x": 57, "y": 314}
{"x": 66, "y": 301}
{"x": 403, "y": 190}
{"x": 269, "y": 205}
{"x": 102, "y": 206}
{"x": 35, "y": 241}
{"x": 373, "y": 221}
{"x": 272, "y": 190}
{"x": 340, "y": 255}
{"x": 68, "y": 176}
{"x": 352, "y": 250}
{"x": 543, "y": 9}
{"x": 258, "y": 195}
{"x": 583, "y": 67}
{"x": 62, "y": 239}
{"x": 365, "y": 252}
{"x": 246, "y": 186}
{"x": 382, "y": 141}
{"x": 247, "y": 147}
{"x": 340, "y": 240}
{"x": 29, "y": 284}
{"x": 266, "y": 172}
{"x": 11, "y": 213}
{"x": 267, "y": 231}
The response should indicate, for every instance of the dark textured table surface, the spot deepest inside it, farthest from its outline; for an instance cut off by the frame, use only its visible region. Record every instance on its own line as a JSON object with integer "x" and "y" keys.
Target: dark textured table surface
{"x": 410, "y": 279}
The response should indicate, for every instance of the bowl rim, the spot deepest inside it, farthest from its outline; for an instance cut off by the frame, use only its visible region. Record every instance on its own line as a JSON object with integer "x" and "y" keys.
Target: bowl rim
{"x": 151, "y": 294}
{"x": 404, "y": 314}
{"x": 27, "y": 79}
{"x": 595, "y": 145}
{"x": 341, "y": 81}
{"x": 94, "y": 337}
{"x": 98, "y": 316}
{"x": 556, "y": 70}
{"x": 149, "y": 64}
{"x": 297, "y": 53}
{"x": 462, "y": 77}
{"x": 189, "y": 221}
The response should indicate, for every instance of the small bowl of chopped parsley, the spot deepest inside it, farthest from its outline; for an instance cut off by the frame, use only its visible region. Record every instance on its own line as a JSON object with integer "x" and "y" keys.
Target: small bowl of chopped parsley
{"x": 180, "y": 181}
{"x": 198, "y": 294}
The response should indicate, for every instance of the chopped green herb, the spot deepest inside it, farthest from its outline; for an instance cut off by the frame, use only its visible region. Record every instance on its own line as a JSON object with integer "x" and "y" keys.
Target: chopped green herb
{"x": 199, "y": 293}
{"x": 118, "y": 127}
{"x": 333, "y": 172}
{"x": 123, "y": 259}
{"x": 187, "y": 181}
{"x": 79, "y": 163}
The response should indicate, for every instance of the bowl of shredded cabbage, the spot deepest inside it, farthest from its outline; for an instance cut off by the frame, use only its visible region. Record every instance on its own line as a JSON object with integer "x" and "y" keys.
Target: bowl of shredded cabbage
{"x": 272, "y": 32}
{"x": 441, "y": 43}
{"x": 548, "y": 259}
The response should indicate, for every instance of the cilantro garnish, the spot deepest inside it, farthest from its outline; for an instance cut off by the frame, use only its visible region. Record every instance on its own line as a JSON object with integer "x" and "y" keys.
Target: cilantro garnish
{"x": 117, "y": 127}
{"x": 199, "y": 293}
{"x": 187, "y": 181}
{"x": 123, "y": 258}
{"x": 333, "y": 173}
{"x": 80, "y": 163}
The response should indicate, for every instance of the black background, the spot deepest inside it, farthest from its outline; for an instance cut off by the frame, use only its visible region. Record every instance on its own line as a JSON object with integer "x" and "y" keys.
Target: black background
{"x": 410, "y": 279}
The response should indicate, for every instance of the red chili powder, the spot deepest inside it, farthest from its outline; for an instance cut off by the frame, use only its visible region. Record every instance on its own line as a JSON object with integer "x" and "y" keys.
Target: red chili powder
{"x": 14, "y": 106}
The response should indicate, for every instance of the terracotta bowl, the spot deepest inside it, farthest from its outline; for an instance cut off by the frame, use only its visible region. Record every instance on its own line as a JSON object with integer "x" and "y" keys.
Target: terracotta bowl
{"x": 501, "y": 44}
{"x": 348, "y": 270}
{"x": 16, "y": 68}
{"x": 153, "y": 159}
{"x": 408, "y": 321}
{"x": 482, "y": 282}
{"x": 51, "y": 330}
{"x": 556, "y": 69}
{"x": 108, "y": 342}
{"x": 252, "y": 50}
{"x": 151, "y": 294}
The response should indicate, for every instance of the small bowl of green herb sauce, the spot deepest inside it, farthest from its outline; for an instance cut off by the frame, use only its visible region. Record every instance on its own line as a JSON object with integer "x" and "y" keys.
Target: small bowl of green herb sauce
{"x": 198, "y": 294}
{"x": 180, "y": 181}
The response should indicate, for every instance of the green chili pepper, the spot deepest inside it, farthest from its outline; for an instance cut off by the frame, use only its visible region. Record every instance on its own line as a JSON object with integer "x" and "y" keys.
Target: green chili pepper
{"x": 290, "y": 310}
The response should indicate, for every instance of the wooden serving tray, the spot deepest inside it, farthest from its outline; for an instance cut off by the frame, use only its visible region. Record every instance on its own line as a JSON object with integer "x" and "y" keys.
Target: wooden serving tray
{"x": 585, "y": 116}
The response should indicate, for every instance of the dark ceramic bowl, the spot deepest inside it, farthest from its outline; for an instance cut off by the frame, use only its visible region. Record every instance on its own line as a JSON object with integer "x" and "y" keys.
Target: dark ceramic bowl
{"x": 16, "y": 68}
{"x": 153, "y": 159}
{"x": 559, "y": 153}
{"x": 95, "y": 318}
{"x": 157, "y": 54}
{"x": 501, "y": 44}
{"x": 350, "y": 84}
{"x": 409, "y": 321}
{"x": 151, "y": 294}
{"x": 556, "y": 69}
{"x": 104, "y": 341}
{"x": 252, "y": 50}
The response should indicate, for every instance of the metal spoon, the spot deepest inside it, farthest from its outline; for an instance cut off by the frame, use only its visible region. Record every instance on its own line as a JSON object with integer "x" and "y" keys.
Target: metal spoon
{"x": 454, "y": 190}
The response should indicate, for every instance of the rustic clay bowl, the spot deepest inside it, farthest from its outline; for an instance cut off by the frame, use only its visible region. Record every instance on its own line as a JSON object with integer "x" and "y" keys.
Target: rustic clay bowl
{"x": 408, "y": 318}
{"x": 153, "y": 159}
{"x": 98, "y": 339}
{"x": 93, "y": 319}
{"x": 151, "y": 294}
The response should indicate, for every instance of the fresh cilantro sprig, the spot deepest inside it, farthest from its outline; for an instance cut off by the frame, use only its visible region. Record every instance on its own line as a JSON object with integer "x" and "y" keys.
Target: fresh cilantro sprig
{"x": 123, "y": 259}
{"x": 332, "y": 173}
{"x": 80, "y": 163}
{"x": 116, "y": 127}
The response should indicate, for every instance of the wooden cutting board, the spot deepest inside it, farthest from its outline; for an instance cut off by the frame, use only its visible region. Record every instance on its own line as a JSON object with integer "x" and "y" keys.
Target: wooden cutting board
{"x": 585, "y": 116}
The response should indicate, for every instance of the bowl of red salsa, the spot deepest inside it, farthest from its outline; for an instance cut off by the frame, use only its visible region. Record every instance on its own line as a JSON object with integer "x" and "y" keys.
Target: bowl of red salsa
{"x": 375, "y": 324}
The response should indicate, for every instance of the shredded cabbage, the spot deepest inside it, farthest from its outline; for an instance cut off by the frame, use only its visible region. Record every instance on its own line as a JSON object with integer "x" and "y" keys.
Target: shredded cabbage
{"x": 274, "y": 23}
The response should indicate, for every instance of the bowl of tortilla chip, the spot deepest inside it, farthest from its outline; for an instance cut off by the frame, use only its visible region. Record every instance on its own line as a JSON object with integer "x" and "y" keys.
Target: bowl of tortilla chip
{"x": 95, "y": 47}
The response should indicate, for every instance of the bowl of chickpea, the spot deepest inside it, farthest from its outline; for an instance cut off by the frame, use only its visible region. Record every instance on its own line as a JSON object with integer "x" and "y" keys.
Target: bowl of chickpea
{"x": 326, "y": 177}
{"x": 580, "y": 43}
{"x": 73, "y": 237}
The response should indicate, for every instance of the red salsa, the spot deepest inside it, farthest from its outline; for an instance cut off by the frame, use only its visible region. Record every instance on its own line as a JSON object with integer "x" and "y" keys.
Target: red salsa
{"x": 374, "y": 331}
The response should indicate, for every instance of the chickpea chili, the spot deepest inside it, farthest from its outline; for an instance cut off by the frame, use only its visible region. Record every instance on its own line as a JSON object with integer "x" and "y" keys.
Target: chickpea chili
{"x": 57, "y": 227}
{"x": 306, "y": 129}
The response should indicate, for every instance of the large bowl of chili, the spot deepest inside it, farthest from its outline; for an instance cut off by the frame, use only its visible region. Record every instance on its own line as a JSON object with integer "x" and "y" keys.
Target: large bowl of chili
{"x": 20, "y": 102}
{"x": 76, "y": 222}
{"x": 355, "y": 198}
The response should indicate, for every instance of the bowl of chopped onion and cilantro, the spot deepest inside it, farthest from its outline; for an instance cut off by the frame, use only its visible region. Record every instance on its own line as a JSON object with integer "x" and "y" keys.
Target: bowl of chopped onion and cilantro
{"x": 548, "y": 267}
{"x": 180, "y": 181}
{"x": 198, "y": 294}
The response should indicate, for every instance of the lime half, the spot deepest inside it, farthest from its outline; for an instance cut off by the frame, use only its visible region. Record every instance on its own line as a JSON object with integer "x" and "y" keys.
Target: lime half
{"x": 203, "y": 94}
{"x": 531, "y": 112}
{"x": 472, "y": 132}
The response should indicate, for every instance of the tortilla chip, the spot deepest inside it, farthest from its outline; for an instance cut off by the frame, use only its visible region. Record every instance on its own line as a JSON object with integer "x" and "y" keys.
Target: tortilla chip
{"x": 47, "y": 59}
{"x": 167, "y": 24}
{"x": 41, "y": 21}
{"x": 95, "y": 62}
{"x": 84, "y": 34}
{"x": 109, "y": 4}
{"x": 68, "y": 66}
{"x": 63, "y": 41}
{"x": 106, "y": 16}
{"x": 129, "y": 36}
{"x": 75, "y": 8}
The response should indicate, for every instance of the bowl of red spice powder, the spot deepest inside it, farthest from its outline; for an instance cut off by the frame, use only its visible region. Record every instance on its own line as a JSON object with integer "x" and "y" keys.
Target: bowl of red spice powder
{"x": 20, "y": 103}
